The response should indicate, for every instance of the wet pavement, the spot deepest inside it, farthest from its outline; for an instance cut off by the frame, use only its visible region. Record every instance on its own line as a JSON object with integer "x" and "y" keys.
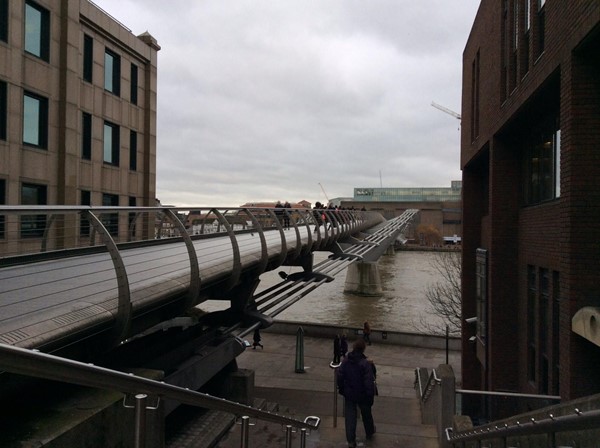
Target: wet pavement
{"x": 396, "y": 410}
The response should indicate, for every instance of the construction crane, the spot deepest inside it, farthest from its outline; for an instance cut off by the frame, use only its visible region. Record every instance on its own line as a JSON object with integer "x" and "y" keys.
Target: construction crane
{"x": 323, "y": 190}
{"x": 445, "y": 109}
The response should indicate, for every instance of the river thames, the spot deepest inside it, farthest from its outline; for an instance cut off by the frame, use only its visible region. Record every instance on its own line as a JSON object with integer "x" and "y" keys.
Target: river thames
{"x": 405, "y": 277}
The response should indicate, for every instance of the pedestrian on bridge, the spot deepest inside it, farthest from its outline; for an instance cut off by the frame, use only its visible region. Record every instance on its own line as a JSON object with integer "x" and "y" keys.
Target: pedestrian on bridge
{"x": 256, "y": 339}
{"x": 367, "y": 332}
{"x": 356, "y": 383}
{"x": 337, "y": 349}
{"x": 343, "y": 345}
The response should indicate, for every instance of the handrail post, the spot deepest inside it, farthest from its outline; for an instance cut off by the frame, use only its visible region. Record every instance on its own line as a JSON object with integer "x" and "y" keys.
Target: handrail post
{"x": 140, "y": 420}
{"x": 245, "y": 431}
{"x": 335, "y": 395}
{"x": 303, "y": 438}
{"x": 288, "y": 436}
{"x": 300, "y": 350}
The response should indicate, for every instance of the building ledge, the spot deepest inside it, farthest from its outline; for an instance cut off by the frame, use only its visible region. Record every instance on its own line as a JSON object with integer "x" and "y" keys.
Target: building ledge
{"x": 586, "y": 323}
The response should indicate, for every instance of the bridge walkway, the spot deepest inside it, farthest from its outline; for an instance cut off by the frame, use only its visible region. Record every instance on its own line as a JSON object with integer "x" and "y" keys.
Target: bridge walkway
{"x": 396, "y": 410}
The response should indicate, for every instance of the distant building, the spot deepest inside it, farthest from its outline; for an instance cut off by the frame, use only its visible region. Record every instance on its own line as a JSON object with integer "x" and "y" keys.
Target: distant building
{"x": 438, "y": 207}
{"x": 531, "y": 205}
{"x": 77, "y": 109}
{"x": 409, "y": 194}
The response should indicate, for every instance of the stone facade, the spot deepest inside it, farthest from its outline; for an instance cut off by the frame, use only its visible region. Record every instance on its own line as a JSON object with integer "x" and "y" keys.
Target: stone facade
{"x": 79, "y": 116}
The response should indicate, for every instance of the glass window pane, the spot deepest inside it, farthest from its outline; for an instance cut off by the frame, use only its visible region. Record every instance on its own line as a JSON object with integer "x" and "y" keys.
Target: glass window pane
{"x": 33, "y": 30}
{"x": 108, "y": 71}
{"x": 108, "y": 139}
{"x": 31, "y": 120}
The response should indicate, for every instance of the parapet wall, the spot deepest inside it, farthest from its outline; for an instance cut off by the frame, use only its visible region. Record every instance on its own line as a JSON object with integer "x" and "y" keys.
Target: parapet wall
{"x": 377, "y": 335}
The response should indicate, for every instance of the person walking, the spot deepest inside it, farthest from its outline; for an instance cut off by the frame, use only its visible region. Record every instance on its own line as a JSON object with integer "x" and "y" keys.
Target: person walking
{"x": 367, "y": 332}
{"x": 343, "y": 345}
{"x": 356, "y": 384}
{"x": 337, "y": 349}
{"x": 256, "y": 339}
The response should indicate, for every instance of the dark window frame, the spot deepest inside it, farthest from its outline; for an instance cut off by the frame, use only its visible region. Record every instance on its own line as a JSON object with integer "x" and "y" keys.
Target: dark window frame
{"x": 88, "y": 58}
{"x": 2, "y": 202}
{"x": 134, "y": 84}
{"x": 44, "y": 32}
{"x": 114, "y": 75}
{"x": 4, "y": 20}
{"x": 115, "y": 143}
{"x": 84, "y": 223}
{"x": 34, "y": 226}
{"x": 133, "y": 144}
{"x": 3, "y": 110}
{"x": 86, "y": 136}
{"x": 110, "y": 220}
{"x": 42, "y": 121}
{"x": 542, "y": 163}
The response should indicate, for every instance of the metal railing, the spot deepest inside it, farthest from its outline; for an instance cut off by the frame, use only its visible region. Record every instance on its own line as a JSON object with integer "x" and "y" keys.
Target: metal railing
{"x": 40, "y": 365}
{"x": 106, "y": 265}
{"x": 549, "y": 427}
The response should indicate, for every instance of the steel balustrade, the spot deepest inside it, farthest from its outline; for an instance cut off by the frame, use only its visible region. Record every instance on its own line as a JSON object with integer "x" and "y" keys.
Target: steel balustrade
{"x": 71, "y": 286}
{"x": 41, "y": 365}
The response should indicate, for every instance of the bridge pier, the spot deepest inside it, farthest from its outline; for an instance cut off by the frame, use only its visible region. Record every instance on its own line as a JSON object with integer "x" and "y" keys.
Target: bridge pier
{"x": 363, "y": 279}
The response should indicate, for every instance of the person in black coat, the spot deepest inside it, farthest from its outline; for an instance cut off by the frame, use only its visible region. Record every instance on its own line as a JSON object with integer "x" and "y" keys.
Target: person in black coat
{"x": 356, "y": 383}
{"x": 337, "y": 349}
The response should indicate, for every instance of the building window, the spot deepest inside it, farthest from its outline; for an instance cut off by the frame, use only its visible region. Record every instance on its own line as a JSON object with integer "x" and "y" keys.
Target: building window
{"x": 525, "y": 40}
{"x": 86, "y": 136}
{"x": 131, "y": 219}
{"x": 475, "y": 98}
{"x": 4, "y": 20}
{"x": 35, "y": 120}
{"x": 543, "y": 289}
{"x": 2, "y": 202}
{"x": 111, "y": 143}
{"x": 84, "y": 224}
{"x": 3, "y": 110}
{"x": 112, "y": 72}
{"x": 504, "y": 52}
{"x": 33, "y": 226}
{"x": 110, "y": 220}
{"x": 133, "y": 150}
{"x": 555, "y": 333}
{"x": 541, "y": 27}
{"x": 542, "y": 164}
{"x": 88, "y": 58}
{"x": 134, "y": 84}
{"x": 531, "y": 323}
{"x": 37, "y": 31}
{"x": 481, "y": 292}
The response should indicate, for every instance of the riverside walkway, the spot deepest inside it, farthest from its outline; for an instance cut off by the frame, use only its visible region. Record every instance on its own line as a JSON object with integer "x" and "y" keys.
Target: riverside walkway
{"x": 396, "y": 410}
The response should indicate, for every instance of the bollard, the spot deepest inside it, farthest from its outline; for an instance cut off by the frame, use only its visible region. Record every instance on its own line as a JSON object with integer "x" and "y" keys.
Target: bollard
{"x": 335, "y": 392}
{"x": 300, "y": 350}
{"x": 245, "y": 433}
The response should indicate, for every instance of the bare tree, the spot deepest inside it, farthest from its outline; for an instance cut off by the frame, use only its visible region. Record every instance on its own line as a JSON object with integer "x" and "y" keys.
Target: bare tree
{"x": 444, "y": 296}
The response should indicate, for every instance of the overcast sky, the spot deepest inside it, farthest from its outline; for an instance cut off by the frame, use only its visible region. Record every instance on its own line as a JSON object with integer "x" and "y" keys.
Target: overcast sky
{"x": 263, "y": 100}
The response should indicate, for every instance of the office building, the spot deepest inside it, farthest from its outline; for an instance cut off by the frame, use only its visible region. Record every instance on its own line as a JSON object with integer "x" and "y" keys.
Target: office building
{"x": 531, "y": 198}
{"x": 77, "y": 110}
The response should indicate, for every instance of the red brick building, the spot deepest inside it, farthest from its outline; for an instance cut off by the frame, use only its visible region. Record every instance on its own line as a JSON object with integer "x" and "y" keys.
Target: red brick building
{"x": 530, "y": 155}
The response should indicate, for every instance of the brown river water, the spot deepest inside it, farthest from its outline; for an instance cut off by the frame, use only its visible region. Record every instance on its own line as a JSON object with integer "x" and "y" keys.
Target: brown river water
{"x": 405, "y": 277}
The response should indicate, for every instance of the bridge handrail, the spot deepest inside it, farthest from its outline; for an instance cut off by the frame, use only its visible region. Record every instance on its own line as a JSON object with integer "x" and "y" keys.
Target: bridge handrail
{"x": 30, "y": 234}
{"x": 42, "y": 365}
{"x": 578, "y": 420}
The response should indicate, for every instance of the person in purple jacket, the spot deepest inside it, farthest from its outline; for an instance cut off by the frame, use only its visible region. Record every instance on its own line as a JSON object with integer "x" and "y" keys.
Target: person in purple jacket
{"x": 356, "y": 383}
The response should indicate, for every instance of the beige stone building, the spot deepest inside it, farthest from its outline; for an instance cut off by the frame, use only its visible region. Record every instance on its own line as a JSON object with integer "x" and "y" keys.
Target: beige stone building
{"x": 78, "y": 102}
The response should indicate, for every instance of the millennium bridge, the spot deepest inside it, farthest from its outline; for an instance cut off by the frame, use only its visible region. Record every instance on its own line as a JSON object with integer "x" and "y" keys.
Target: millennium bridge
{"x": 90, "y": 294}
